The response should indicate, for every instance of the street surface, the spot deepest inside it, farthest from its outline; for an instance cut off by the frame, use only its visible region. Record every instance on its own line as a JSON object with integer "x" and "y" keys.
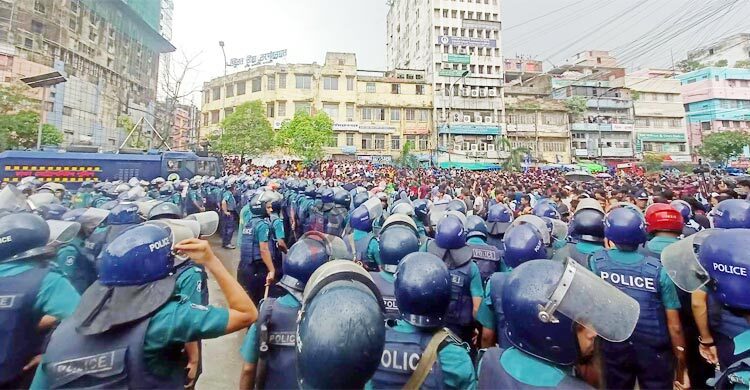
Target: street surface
{"x": 221, "y": 356}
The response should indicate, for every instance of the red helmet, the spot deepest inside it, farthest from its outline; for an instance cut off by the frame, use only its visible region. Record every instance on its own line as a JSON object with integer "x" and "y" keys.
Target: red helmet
{"x": 662, "y": 217}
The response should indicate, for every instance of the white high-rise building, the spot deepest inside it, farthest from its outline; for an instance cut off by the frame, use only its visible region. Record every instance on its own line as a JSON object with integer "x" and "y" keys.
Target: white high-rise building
{"x": 458, "y": 44}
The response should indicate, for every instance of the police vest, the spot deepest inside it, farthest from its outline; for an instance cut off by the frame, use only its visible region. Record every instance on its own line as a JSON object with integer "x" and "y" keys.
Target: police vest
{"x": 389, "y": 295}
{"x": 497, "y": 242}
{"x": 641, "y": 282}
{"x": 19, "y": 338}
{"x": 277, "y": 331}
{"x": 729, "y": 379}
{"x": 335, "y": 221}
{"x": 359, "y": 249}
{"x": 497, "y": 283}
{"x": 316, "y": 221}
{"x": 643, "y": 249}
{"x": 276, "y": 254}
{"x": 190, "y": 205}
{"x": 78, "y": 269}
{"x": 250, "y": 246}
{"x": 460, "y": 309}
{"x": 581, "y": 258}
{"x": 231, "y": 202}
{"x": 492, "y": 376}
{"x": 487, "y": 258}
{"x": 113, "y": 359}
{"x": 723, "y": 321}
{"x": 94, "y": 243}
{"x": 401, "y": 355}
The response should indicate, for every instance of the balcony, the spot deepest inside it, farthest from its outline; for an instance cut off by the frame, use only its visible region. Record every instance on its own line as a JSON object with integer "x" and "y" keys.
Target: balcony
{"x": 609, "y": 103}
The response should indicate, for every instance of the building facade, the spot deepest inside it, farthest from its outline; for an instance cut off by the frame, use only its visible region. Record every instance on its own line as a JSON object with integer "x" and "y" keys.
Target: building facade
{"x": 374, "y": 113}
{"x": 108, "y": 50}
{"x": 715, "y": 99}
{"x": 732, "y": 49}
{"x": 458, "y": 45}
{"x": 659, "y": 113}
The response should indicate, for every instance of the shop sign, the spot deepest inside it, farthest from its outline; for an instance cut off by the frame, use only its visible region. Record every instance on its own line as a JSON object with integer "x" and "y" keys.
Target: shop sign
{"x": 466, "y": 41}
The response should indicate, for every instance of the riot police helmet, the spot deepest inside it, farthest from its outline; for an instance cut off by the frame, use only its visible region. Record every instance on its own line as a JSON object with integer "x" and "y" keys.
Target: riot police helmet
{"x": 450, "y": 233}
{"x": 423, "y": 290}
{"x": 625, "y": 227}
{"x": 523, "y": 243}
{"x": 476, "y": 227}
{"x": 732, "y": 214}
{"x": 124, "y": 214}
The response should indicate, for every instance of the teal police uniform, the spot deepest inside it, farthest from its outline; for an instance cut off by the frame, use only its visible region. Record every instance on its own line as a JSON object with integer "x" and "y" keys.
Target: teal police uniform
{"x": 455, "y": 363}
{"x": 249, "y": 350}
{"x": 57, "y": 297}
{"x": 74, "y": 264}
{"x": 657, "y": 244}
{"x": 228, "y": 222}
{"x": 530, "y": 370}
{"x": 583, "y": 248}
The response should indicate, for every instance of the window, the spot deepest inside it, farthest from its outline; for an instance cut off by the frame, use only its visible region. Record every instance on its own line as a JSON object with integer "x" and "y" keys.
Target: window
{"x": 216, "y": 92}
{"x": 269, "y": 109}
{"x": 67, "y": 111}
{"x": 349, "y": 139}
{"x": 379, "y": 141}
{"x": 395, "y": 142}
{"x": 230, "y": 90}
{"x": 256, "y": 84}
{"x": 395, "y": 89}
{"x": 282, "y": 109}
{"x": 28, "y": 43}
{"x": 349, "y": 83}
{"x": 282, "y": 80}
{"x": 366, "y": 141}
{"x": 228, "y": 111}
{"x": 240, "y": 88}
{"x": 333, "y": 141}
{"x": 373, "y": 114}
{"x": 370, "y": 88}
{"x": 271, "y": 85}
{"x": 330, "y": 83}
{"x": 422, "y": 143}
{"x": 302, "y": 107}
{"x": 303, "y": 81}
{"x": 74, "y": 6}
{"x": 423, "y": 115}
{"x": 395, "y": 114}
{"x": 37, "y": 27}
{"x": 410, "y": 114}
{"x": 705, "y": 125}
{"x": 420, "y": 89}
{"x": 39, "y": 6}
{"x": 332, "y": 109}
{"x": 205, "y": 119}
{"x": 214, "y": 116}
{"x": 349, "y": 112}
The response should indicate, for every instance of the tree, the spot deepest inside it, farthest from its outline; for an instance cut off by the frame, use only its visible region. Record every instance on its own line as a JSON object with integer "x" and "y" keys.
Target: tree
{"x": 136, "y": 139}
{"x": 722, "y": 63}
{"x": 653, "y": 161}
{"x": 744, "y": 64}
{"x": 173, "y": 81}
{"x": 515, "y": 155}
{"x": 576, "y": 106}
{"x": 13, "y": 99}
{"x": 407, "y": 159}
{"x": 722, "y": 146}
{"x": 689, "y": 65}
{"x": 247, "y": 132}
{"x": 305, "y": 135}
{"x": 20, "y": 131}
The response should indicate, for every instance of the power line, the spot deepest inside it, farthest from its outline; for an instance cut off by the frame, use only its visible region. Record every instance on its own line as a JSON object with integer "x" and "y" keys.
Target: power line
{"x": 526, "y": 22}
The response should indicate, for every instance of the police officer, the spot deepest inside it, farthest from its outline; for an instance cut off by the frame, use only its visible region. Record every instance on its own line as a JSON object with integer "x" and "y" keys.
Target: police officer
{"x": 277, "y": 236}
{"x": 487, "y": 257}
{"x": 648, "y": 355}
{"x": 228, "y": 214}
{"x": 121, "y": 218}
{"x": 586, "y": 233}
{"x": 499, "y": 218}
{"x": 256, "y": 268}
{"x": 522, "y": 243}
{"x": 665, "y": 224}
{"x": 641, "y": 199}
{"x": 361, "y": 242}
{"x": 398, "y": 238}
{"x": 546, "y": 209}
{"x": 194, "y": 202}
{"x": 337, "y": 217}
{"x": 418, "y": 352}
{"x": 466, "y": 282}
{"x": 33, "y": 296}
{"x": 71, "y": 258}
{"x": 303, "y": 209}
{"x": 691, "y": 226}
{"x": 84, "y": 197}
{"x": 133, "y": 308}
{"x": 421, "y": 212}
{"x": 268, "y": 349}
{"x": 732, "y": 214}
{"x": 548, "y": 337}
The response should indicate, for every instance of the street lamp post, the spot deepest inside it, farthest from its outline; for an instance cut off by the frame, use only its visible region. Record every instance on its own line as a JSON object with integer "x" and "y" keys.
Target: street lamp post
{"x": 44, "y": 81}
{"x": 223, "y": 86}
{"x": 450, "y": 107}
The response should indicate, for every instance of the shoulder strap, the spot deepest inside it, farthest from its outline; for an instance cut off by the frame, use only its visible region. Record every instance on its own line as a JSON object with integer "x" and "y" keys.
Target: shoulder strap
{"x": 429, "y": 356}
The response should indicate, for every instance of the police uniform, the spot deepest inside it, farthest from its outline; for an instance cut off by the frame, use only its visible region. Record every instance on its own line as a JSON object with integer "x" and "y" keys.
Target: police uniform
{"x": 490, "y": 313}
{"x": 487, "y": 257}
{"x": 75, "y": 265}
{"x": 656, "y": 245}
{"x": 278, "y": 322}
{"x": 252, "y": 271}
{"x": 28, "y": 291}
{"x": 514, "y": 369}
{"x": 228, "y": 221}
{"x": 194, "y": 201}
{"x": 578, "y": 250}
{"x": 384, "y": 282}
{"x": 364, "y": 247}
{"x": 647, "y": 354}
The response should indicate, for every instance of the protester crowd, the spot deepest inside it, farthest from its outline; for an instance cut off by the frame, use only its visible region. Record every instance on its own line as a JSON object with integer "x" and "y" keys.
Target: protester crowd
{"x": 353, "y": 275}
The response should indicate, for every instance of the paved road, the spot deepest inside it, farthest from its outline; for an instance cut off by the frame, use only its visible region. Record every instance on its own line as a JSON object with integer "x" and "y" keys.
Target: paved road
{"x": 221, "y": 357}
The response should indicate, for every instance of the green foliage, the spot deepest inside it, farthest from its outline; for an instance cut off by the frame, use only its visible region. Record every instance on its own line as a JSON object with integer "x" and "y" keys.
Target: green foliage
{"x": 407, "y": 159}
{"x": 20, "y": 131}
{"x": 576, "y": 106}
{"x": 136, "y": 140}
{"x": 745, "y": 64}
{"x": 515, "y": 155}
{"x": 653, "y": 161}
{"x": 635, "y": 95}
{"x": 689, "y": 65}
{"x": 720, "y": 147}
{"x": 12, "y": 99}
{"x": 722, "y": 63}
{"x": 306, "y": 135}
{"x": 247, "y": 132}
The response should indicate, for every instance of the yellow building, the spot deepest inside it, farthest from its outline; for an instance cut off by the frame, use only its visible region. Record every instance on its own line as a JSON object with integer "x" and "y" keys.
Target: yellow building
{"x": 374, "y": 113}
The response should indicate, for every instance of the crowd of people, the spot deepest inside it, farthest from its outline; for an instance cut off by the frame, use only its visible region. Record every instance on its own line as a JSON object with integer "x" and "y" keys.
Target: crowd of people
{"x": 352, "y": 275}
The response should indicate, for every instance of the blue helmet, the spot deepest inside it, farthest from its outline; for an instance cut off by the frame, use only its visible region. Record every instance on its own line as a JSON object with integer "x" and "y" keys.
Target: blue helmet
{"x": 310, "y": 191}
{"x": 420, "y": 209}
{"x": 476, "y": 227}
{"x": 304, "y": 257}
{"x": 342, "y": 198}
{"x": 327, "y": 195}
{"x": 423, "y": 290}
{"x": 499, "y": 218}
{"x": 52, "y": 211}
{"x": 363, "y": 216}
{"x": 684, "y": 208}
{"x": 138, "y": 256}
{"x": 450, "y": 233}
{"x": 165, "y": 210}
{"x": 546, "y": 209}
{"x": 587, "y": 225}
{"x": 341, "y": 307}
{"x": 625, "y": 227}
{"x": 396, "y": 242}
{"x": 724, "y": 257}
{"x": 124, "y": 214}
{"x": 732, "y": 214}
{"x": 456, "y": 205}
{"x": 22, "y": 235}
{"x": 360, "y": 198}
{"x": 523, "y": 243}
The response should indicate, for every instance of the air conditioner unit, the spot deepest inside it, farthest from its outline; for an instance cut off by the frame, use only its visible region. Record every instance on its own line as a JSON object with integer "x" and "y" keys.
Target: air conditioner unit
{"x": 457, "y": 117}
{"x": 461, "y": 50}
{"x": 493, "y": 92}
{"x": 465, "y": 92}
{"x": 488, "y": 119}
{"x": 477, "y": 117}
{"x": 483, "y": 92}
{"x": 467, "y": 118}
{"x": 474, "y": 93}
{"x": 490, "y": 138}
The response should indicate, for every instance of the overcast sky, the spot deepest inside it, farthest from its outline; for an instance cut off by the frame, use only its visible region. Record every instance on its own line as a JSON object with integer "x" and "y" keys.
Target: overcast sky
{"x": 548, "y": 30}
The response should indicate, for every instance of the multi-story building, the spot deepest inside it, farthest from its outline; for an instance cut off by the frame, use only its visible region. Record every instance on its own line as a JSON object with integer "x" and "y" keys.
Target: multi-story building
{"x": 732, "y": 49}
{"x": 658, "y": 112}
{"x": 715, "y": 99}
{"x": 458, "y": 45}
{"x": 179, "y": 124}
{"x": 108, "y": 50}
{"x": 374, "y": 113}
